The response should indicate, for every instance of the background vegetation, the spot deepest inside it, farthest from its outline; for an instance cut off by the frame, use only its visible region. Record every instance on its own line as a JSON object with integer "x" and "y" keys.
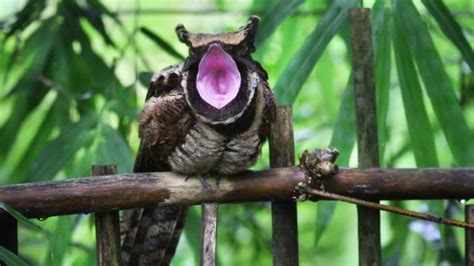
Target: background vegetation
{"x": 73, "y": 77}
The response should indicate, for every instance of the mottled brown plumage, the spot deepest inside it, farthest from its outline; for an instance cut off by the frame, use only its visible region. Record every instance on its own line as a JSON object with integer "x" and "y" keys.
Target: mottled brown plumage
{"x": 180, "y": 131}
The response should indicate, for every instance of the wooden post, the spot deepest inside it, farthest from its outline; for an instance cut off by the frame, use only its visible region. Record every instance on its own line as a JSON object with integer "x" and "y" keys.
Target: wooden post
{"x": 284, "y": 218}
{"x": 209, "y": 234}
{"x": 107, "y": 227}
{"x": 469, "y": 241}
{"x": 366, "y": 121}
{"x": 8, "y": 232}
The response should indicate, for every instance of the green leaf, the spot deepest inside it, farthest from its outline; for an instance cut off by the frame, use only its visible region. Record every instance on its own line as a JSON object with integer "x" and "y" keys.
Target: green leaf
{"x": 419, "y": 127}
{"x": 113, "y": 149}
{"x": 192, "y": 230}
{"x": 94, "y": 16}
{"x": 59, "y": 152}
{"x": 61, "y": 240}
{"x": 33, "y": 57}
{"x": 162, "y": 43}
{"x": 325, "y": 213}
{"x": 27, "y": 15}
{"x": 343, "y": 136}
{"x": 38, "y": 142}
{"x": 274, "y": 17}
{"x": 28, "y": 91}
{"x": 298, "y": 70}
{"x": 97, "y": 5}
{"x": 382, "y": 25}
{"x": 24, "y": 102}
{"x": 451, "y": 29}
{"x": 9, "y": 258}
{"x": 437, "y": 84}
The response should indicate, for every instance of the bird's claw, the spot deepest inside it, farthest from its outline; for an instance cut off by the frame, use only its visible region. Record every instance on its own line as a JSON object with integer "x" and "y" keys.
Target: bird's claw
{"x": 202, "y": 180}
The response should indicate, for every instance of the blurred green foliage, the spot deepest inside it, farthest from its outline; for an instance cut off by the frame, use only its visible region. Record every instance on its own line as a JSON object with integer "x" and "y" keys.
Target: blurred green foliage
{"x": 73, "y": 77}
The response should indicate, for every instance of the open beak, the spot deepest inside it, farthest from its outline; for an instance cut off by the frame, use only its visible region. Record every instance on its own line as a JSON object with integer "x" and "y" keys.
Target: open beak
{"x": 218, "y": 78}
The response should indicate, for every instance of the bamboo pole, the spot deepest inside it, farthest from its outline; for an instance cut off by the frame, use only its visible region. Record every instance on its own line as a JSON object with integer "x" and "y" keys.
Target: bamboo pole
{"x": 8, "y": 232}
{"x": 209, "y": 234}
{"x": 107, "y": 228}
{"x": 469, "y": 236}
{"x": 366, "y": 122}
{"x": 284, "y": 218}
{"x": 124, "y": 191}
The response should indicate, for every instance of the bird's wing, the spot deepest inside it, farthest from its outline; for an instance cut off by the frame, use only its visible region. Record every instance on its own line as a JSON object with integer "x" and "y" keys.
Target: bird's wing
{"x": 269, "y": 115}
{"x": 151, "y": 234}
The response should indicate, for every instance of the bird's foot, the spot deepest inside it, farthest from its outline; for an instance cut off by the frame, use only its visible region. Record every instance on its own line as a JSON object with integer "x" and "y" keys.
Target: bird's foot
{"x": 202, "y": 180}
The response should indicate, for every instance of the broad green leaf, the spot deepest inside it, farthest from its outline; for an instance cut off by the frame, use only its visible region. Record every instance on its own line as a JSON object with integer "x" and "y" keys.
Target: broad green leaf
{"x": 61, "y": 240}
{"x": 382, "y": 25}
{"x": 324, "y": 217}
{"x": 94, "y": 18}
{"x": 112, "y": 149}
{"x": 301, "y": 65}
{"x": 32, "y": 58}
{"x": 419, "y": 127}
{"x": 451, "y": 29}
{"x": 192, "y": 230}
{"x": 59, "y": 152}
{"x": 97, "y": 5}
{"x": 288, "y": 31}
{"x": 279, "y": 12}
{"x": 23, "y": 18}
{"x": 343, "y": 137}
{"x": 72, "y": 70}
{"x": 168, "y": 48}
{"x": 420, "y": 131}
{"x": 28, "y": 91}
{"x": 40, "y": 139}
{"x": 24, "y": 102}
{"x": 437, "y": 84}
{"x": 10, "y": 258}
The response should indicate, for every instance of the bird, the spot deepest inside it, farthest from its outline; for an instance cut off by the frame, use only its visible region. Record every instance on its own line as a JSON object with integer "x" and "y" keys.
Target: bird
{"x": 210, "y": 114}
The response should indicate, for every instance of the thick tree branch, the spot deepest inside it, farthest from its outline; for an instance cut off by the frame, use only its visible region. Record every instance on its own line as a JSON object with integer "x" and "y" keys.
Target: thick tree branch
{"x": 92, "y": 194}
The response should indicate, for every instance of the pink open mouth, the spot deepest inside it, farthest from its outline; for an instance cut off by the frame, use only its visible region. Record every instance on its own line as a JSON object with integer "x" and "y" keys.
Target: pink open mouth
{"x": 218, "y": 79}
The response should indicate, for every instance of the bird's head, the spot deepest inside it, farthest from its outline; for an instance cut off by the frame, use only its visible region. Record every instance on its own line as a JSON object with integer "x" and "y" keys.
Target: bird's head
{"x": 219, "y": 75}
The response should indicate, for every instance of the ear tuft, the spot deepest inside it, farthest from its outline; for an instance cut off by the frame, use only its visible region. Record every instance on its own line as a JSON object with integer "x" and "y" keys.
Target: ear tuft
{"x": 251, "y": 29}
{"x": 183, "y": 34}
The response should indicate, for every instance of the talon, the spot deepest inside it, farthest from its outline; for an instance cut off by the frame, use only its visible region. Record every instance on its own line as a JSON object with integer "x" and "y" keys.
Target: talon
{"x": 204, "y": 183}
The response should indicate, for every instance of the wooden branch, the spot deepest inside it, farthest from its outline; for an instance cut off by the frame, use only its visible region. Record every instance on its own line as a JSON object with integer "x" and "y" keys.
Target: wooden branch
{"x": 107, "y": 228}
{"x": 124, "y": 191}
{"x": 8, "y": 232}
{"x": 469, "y": 235}
{"x": 284, "y": 218}
{"x": 388, "y": 208}
{"x": 370, "y": 252}
{"x": 209, "y": 234}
